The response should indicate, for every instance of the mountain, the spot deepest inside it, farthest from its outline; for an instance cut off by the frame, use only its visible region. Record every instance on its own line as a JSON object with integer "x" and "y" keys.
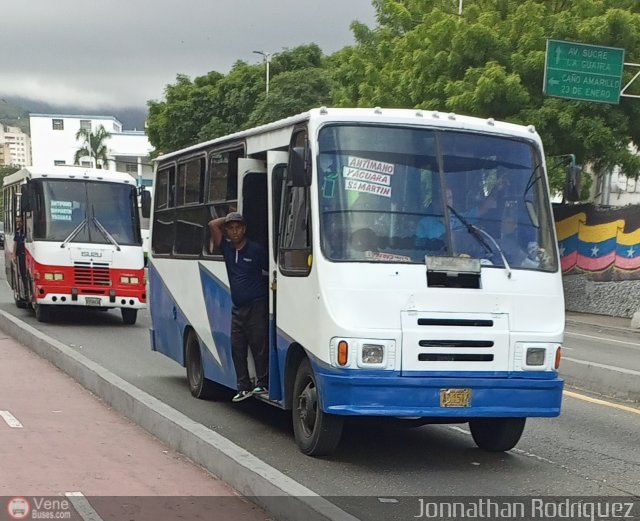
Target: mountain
{"x": 15, "y": 111}
{"x": 14, "y": 115}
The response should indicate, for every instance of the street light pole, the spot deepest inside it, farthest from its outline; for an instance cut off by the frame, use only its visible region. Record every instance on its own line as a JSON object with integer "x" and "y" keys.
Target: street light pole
{"x": 267, "y": 59}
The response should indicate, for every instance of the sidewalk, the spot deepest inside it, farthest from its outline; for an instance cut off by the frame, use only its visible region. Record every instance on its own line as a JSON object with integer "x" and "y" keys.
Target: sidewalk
{"x": 58, "y": 439}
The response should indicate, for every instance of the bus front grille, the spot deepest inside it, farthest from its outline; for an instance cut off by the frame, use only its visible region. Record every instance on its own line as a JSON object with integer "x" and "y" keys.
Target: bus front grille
{"x": 87, "y": 274}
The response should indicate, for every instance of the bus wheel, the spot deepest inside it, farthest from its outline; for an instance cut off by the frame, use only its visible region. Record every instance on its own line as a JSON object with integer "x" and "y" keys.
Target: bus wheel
{"x": 317, "y": 433}
{"x": 43, "y": 312}
{"x": 129, "y": 315}
{"x": 199, "y": 386}
{"x": 497, "y": 434}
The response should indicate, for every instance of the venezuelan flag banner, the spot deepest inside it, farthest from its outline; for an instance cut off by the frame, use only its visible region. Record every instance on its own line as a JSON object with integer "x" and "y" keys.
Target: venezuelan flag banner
{"x": 597, "y": 245}
{"x": 567, "y": 230}
{"x": 628, "y": 251}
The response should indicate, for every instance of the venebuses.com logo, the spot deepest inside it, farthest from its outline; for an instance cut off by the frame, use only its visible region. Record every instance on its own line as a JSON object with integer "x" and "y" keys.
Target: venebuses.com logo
{"x": 18, "y": 508}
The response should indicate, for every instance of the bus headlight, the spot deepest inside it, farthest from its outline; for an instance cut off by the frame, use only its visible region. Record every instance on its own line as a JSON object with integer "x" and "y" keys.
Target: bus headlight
{"x": 129, "y": 280}
{"x": 536, "y": 355}
{"x": 53, "y": 276}
{"x": 372, "y": 354}
{"x": 365, "y": 353}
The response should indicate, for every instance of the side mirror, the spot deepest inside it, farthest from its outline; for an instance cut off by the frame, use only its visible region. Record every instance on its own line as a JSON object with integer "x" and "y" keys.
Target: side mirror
{"x": 25, "y": 198}
{"x": 145, "y": 203}
{"x": 299, "y": 167}
{"x": 572, "y": 189}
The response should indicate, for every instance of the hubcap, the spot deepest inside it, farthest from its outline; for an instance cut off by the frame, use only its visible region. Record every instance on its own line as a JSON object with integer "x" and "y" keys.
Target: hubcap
{"x": 308, "y": 408}
{"x": 193, "y": 365}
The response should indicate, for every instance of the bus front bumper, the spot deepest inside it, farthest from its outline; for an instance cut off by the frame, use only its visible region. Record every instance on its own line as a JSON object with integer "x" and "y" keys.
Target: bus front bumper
{"x": 427, "y": 396}
{"x": 105, "y": 301}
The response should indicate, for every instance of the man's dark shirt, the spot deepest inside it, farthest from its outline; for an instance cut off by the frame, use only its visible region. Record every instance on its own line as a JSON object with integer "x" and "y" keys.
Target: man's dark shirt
{"x": 245, "y": 270}
{"x": 18, "y": 237}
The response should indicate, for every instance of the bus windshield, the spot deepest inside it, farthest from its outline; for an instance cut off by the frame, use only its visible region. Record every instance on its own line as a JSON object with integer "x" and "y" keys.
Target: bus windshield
{"x": 61, "y": 206}
{"x": 396, "y": 194}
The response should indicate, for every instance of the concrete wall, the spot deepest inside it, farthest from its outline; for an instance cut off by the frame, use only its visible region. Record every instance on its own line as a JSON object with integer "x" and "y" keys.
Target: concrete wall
{"x": 613, "y": 298}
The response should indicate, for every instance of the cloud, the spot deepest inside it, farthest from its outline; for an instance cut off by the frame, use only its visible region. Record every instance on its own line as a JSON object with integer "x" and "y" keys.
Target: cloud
{"x": 124, "y": 52}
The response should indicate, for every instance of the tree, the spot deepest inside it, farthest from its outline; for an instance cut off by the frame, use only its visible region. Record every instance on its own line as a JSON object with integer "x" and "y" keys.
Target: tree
{"x": 490, "y": 63}
{"x": 215, "y": 105}
{"x": 291, "y": 93}
{"x": 94, "y": 146}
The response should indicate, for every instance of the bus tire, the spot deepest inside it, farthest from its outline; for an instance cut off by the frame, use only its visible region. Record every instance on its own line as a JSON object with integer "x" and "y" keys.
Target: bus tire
{"x": 43, "y": 312}
{"x": 497, "y": 434}
{"x": 316, "y": 432}
{"x": 22, "y": 304}
{"x": 199, "y": 386}
{"x": 129, "y": 316}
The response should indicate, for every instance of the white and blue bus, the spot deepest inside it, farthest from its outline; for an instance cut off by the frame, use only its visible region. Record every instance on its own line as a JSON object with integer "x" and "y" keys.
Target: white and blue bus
{"x": 414, "y": 272}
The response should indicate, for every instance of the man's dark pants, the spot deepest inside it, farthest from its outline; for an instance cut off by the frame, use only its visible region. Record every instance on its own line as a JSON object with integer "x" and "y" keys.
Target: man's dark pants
{"x": 249, "y": 329}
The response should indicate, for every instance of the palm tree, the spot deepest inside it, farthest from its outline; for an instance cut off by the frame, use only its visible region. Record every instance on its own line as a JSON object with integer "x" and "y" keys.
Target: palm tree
{"x": 93, "y": 146}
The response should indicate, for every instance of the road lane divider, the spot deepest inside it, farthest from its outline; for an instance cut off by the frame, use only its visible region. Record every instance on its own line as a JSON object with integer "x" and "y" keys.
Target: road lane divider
{"x": 608, "y": 340}
{"x": 599, "y": 401}
{"x": 10, "y": 420}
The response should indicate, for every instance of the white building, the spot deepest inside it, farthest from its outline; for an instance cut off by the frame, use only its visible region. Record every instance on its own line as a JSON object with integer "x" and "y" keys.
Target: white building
{"x": 16, "y": 146}
{"x": 53, "y": 142}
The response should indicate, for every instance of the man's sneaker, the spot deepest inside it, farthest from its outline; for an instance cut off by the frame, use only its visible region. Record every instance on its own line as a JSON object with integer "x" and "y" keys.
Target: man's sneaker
{"x": 242, "y": 395}
{"x": 259, "y": 390}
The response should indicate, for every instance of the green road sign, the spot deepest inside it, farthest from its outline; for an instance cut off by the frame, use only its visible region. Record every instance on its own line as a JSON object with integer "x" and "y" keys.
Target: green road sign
{"x": 583, "y": 72}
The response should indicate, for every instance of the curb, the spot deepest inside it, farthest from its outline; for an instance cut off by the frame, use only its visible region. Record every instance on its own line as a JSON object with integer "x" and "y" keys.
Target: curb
{"x": 279, "y": 495}
{"x": 601, "y": 379}
{"x": 592, "y": 325}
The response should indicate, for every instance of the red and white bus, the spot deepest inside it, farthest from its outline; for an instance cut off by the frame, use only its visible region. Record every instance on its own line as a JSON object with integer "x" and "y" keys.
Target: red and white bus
{"x": 82, "y": 240}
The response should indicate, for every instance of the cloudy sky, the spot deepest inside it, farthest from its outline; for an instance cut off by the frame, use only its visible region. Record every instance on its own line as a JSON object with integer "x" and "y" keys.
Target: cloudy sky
{"x": 115, "y": 53}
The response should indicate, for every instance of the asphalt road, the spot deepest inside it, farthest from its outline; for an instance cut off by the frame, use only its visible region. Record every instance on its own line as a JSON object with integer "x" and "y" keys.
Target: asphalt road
{"x": 580, "y": 453}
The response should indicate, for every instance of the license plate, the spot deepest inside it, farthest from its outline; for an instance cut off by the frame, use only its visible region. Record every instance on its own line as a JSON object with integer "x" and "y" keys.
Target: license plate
{"x": 455, "y": 397}
{"x": 93, "y": 301}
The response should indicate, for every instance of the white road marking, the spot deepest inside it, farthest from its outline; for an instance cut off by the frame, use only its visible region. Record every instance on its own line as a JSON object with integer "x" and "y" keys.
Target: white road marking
{"x": 387, "y": 500}
{"x": 518, "y": 451}
{"x": 82, "y": 506}
{"x": 459, "y": 429}
{"x": 11, "y": 420}
{"x": 635, "y": 344}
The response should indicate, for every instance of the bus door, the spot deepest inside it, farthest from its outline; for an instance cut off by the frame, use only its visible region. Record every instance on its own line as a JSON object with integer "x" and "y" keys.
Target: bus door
{"x": 253, "y": 203}
{"x": 277, "y": 168}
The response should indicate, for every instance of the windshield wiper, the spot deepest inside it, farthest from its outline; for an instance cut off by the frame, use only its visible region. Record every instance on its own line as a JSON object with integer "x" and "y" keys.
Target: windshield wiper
{"x": 74, "y": 233}
{"x": 476, "y": 231}
{"x": 104, "y": 232}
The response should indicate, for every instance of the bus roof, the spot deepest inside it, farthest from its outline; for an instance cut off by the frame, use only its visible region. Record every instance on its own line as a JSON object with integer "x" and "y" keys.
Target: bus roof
{"x": 429, "y": 118}
{"x": 68, "y": 172}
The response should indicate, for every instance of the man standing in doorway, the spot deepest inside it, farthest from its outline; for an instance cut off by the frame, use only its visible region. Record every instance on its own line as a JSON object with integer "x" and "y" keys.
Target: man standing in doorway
{"x": 18, "y": 255}
{"x": 247, "y": 268}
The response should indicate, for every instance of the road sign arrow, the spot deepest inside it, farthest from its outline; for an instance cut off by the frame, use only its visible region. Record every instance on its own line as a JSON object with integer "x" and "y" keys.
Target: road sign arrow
{"x": 553, "y": 81}
{"x": 558, "y": 53}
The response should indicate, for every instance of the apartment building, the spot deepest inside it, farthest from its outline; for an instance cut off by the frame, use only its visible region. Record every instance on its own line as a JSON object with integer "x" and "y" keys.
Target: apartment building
{"x": 53, "y": 142}
{"x": 15, "y": 146}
